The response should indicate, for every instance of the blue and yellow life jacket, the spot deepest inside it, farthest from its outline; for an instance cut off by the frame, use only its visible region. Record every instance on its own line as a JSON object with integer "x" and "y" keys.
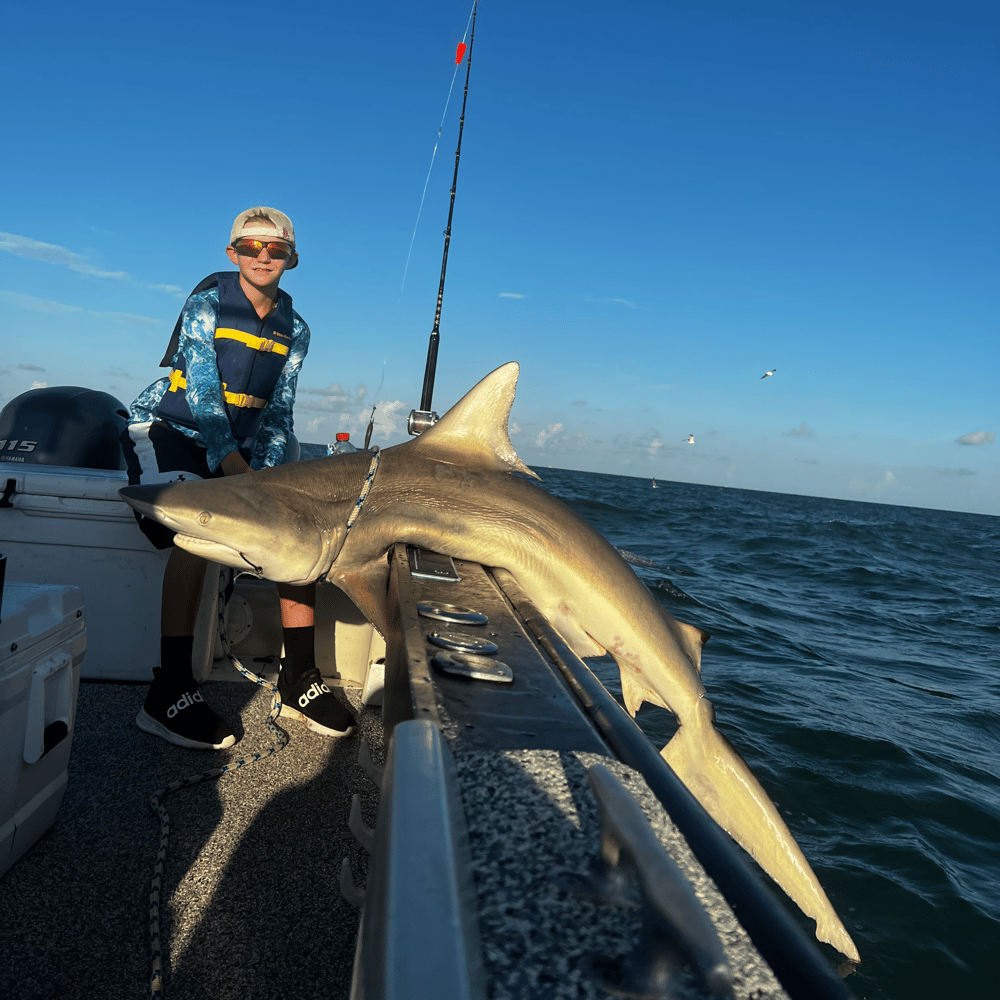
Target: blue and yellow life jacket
{"x": 251, "y": 353}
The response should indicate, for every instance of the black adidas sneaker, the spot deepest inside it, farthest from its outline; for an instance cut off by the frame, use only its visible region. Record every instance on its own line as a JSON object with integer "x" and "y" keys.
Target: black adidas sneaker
{"x": 309, "y": 700}
{"x": 175, "y": 711}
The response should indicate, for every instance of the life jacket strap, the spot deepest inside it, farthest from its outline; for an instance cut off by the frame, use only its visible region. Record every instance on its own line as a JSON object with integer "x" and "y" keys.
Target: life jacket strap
{"x": 255, "y": 343}
{"x": 240, "y": 399}
{"x": 244, "y": 400}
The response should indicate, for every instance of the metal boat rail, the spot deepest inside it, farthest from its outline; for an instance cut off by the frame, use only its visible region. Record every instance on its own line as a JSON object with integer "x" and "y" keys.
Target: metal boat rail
{"x": 447, "y": 726}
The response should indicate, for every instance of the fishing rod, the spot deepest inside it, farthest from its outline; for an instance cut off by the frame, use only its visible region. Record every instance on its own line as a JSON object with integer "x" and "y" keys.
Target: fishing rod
{"x": 371, "y": 419}
{"x": 423, "y": 418}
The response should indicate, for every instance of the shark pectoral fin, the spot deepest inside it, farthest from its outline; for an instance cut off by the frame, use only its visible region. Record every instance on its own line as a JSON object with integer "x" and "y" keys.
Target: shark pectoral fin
{"x": 578, "y": 639}
{"x": 721, "y": 781}
{"x": 473, "y": 433}
{"x": 368, "y": 588}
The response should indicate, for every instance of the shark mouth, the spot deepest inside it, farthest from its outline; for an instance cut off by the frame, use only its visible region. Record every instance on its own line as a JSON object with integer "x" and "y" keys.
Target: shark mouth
{"x": 217, "y": 552}
{"x": 229, "y": 555}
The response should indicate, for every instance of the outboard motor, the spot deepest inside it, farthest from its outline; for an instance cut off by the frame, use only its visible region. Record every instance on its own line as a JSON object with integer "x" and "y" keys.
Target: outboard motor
{"x": 63, "y": 425}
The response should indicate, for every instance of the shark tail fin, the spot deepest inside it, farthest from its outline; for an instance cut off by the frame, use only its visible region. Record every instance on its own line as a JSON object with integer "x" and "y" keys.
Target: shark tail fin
{"x": 721, "y": 781}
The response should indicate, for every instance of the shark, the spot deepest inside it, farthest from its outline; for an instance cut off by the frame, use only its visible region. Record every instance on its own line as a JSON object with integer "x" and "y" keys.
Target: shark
{"x": 460, "y": 489}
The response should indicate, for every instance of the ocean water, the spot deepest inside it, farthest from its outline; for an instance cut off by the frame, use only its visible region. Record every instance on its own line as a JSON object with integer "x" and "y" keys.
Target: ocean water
{"x": 855, "y": 663}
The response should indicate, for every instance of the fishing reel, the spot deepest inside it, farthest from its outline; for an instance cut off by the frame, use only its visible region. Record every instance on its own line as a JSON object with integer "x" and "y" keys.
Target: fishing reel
{"x": 420, "y": 421}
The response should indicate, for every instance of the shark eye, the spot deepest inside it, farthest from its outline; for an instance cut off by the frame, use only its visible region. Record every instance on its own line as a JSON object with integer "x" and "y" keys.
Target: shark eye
{"x": 204, "y": 517}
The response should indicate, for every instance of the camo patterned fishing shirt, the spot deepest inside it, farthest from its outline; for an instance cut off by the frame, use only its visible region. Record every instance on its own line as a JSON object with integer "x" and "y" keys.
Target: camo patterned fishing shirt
{"x": 204, "y": 391}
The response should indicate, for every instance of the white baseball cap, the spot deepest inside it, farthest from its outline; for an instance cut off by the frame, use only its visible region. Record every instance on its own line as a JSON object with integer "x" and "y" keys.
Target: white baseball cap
{"x": 264, "y": 222}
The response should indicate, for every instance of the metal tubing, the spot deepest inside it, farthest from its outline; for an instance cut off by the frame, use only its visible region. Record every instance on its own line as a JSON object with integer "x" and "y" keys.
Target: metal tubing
{"x": 420, "y": 929}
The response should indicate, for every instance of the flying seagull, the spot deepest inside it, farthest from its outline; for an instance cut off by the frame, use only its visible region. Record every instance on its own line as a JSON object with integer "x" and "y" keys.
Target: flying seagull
{"x": 690, "y": 439}
{"x": 771, "y": 372}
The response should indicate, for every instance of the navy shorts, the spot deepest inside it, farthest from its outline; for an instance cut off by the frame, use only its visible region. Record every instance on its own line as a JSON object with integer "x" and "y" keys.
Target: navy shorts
{"x": 156, "y": 453}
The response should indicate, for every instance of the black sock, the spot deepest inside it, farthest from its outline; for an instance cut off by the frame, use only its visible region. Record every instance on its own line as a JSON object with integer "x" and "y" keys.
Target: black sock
{"x": 300, "y": 651}
{"x": 176, "y": 652}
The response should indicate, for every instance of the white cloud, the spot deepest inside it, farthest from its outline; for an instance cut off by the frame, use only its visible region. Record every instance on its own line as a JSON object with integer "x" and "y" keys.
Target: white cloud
{"x": 977, "y": 437}
{"x": 333, "y": 399}
{"x": 34, "y": 304}
{"x": 556, "y": 442}
{"x": 328, "y": 422}
{"x": 616, "y": 302}
{"x": 511, "y": 295}
{"x": 550, "y": 435}
{"x": 800, "y": 432}
{"x": 643, "y": 444}
{"x": 386, "y": 416}
{"x": 25, "y": 246}
{"x": 129, "y": 318}
{"x": 876, "y": 489}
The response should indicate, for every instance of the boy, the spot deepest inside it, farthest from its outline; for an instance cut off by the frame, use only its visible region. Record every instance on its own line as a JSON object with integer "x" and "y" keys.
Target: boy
{"x": 225, "y": 409}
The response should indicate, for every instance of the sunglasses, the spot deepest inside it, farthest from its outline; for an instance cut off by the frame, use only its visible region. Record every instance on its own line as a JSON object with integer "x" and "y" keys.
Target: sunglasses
{"x": 252, "y": 248}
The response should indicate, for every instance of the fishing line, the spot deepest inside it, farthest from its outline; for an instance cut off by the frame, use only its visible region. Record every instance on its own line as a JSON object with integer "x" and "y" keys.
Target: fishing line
{"x": 444, "y": 114}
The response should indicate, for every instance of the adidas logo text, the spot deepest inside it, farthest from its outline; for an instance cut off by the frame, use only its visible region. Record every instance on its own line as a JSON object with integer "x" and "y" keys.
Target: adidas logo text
{"x": 185, "y": 701}
{"x": 314, "y": 691}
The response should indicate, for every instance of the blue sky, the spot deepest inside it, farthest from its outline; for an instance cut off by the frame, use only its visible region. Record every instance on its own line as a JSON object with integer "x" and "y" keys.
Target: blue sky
{"x": 657, "y": 202}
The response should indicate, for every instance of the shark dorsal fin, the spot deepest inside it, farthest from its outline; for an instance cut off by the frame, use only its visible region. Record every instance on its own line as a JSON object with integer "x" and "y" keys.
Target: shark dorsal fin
{"x": 473, "y": 433}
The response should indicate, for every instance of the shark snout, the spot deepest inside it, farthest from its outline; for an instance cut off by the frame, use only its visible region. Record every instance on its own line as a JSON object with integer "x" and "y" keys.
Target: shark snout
{"x": 240, "y": 522}
{"x": 186, "y": 508}
{"x": 148, "y": 499}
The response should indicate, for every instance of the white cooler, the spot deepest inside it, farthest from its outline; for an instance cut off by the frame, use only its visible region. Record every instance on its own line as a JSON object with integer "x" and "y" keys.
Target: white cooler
{"x": 43, "y": 637}
{"x": 69, "y": 526}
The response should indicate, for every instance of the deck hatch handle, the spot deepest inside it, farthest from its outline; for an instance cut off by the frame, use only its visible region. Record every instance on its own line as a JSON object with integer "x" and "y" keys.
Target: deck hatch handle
{"x": 477, "y": 668}
{"x": 450, "y": 613}
{"x": 427, "y": 565}
{"x": 461, "y": 643}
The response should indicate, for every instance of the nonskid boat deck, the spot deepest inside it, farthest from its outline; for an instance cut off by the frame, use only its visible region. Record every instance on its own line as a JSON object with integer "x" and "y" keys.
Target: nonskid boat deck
{"x": 251, "y": 905}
